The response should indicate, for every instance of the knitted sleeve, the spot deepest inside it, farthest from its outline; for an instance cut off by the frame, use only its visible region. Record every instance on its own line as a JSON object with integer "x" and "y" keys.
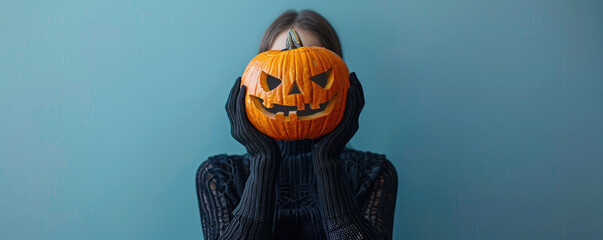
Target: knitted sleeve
{"x": 231, "y": 198}
{"x": 366, "y": 214}
{"x": 219, "y": 181}
{"x": 252, "y": 216}
{"x": 235, "y": 201}
{"x": 379, "y": 204}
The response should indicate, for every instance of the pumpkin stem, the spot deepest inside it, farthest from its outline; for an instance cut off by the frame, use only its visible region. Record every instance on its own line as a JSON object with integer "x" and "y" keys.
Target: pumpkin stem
{"x": 293, "y": 40}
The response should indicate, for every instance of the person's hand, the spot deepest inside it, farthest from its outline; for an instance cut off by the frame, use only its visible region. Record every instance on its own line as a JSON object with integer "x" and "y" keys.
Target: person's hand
{"x": 331, "y": 145}
{"x": 255, "y": 210}
{"x": 256, "y": 143}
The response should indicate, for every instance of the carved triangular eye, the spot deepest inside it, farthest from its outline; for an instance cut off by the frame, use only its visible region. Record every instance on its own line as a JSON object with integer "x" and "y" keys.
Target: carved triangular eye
{"x": 324, "y": 79}
{"x": 268, "y": 82}
{"x": 272, "y": 82}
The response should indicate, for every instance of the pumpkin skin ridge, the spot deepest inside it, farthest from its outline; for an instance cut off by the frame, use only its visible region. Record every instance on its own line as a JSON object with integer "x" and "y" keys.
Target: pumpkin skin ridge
{"x": 291, "y": 76}
{"x": 259, "y": 124}
{"x": 324, "y": 128}
{"x": 296, "y": 66}
{"x": 306, "y": 60}
{"x": 293, "y": 79}
{"x": 275, "y": 129}
{"x": 313, "y": 126}
{"x": 339, "y": 117}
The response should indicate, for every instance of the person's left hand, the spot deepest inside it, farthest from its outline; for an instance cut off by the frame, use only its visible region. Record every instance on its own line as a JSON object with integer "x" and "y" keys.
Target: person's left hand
{"x": 331, "y": 145}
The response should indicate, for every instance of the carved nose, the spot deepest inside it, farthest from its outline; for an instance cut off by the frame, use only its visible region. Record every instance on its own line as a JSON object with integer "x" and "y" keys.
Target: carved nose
{"x": 295, "y": 90}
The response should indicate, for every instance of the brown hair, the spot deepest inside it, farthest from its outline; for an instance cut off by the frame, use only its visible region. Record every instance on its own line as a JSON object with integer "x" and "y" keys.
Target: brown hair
{"x": 307, "y": 20}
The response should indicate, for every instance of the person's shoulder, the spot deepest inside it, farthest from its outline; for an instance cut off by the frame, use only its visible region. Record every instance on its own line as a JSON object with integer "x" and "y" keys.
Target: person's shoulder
{"x": 364, "y": 168}
{"x": 367, "y": 165}
{"x": 222, "y": 165}
{"x": 223, "y": 159}
{"x": 364, "y": 159}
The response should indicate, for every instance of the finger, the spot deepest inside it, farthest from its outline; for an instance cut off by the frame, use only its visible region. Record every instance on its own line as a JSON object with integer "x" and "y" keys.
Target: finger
{"x": 349, "y": 106}
{"x": 336, "y": 140}
{"x": 356, "y": 82}
{"x": 231, "y": 108}
{"x": 351, "y": 103}
{"x": 253, "y": 134}
{"x": 348, "y": 117}
{"x": 241, "y": 112}
{"x": 234, "y": 92}
{"x": 354, "y": 112}
{"x": 354, "y": 108}
{"x": 240, "y": 101}
{"x": 359, "y": 91}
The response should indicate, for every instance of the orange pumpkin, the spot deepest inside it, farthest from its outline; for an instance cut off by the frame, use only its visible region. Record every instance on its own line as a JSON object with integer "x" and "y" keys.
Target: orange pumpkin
{"x": 296, "y": 93}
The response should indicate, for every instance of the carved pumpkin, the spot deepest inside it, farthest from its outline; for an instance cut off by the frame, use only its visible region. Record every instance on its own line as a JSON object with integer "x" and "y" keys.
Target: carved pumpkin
{"x": 296, "y": 93}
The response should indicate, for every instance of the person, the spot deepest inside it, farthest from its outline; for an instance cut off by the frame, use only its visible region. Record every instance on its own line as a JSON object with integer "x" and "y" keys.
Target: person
{"x": 305, "y": 189}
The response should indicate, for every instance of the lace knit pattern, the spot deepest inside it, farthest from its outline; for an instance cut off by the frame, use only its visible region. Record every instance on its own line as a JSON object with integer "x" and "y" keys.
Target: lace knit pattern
{"x": 370, "y": 178}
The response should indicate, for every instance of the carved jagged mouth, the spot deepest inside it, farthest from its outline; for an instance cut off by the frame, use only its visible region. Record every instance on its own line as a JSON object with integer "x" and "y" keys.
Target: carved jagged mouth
{"x": 288, "y": 111}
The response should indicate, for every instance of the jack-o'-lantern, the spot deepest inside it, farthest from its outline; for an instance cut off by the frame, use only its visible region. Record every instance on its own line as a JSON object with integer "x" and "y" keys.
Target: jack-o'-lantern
{"x": 296, "y": 93}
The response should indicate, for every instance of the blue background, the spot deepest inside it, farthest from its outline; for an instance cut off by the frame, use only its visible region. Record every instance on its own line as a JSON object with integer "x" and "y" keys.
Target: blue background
{"x": 491, "y": 111}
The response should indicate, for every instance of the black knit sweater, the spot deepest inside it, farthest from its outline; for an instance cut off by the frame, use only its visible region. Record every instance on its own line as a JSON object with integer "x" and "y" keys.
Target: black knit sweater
{"x": 354, "y": 199}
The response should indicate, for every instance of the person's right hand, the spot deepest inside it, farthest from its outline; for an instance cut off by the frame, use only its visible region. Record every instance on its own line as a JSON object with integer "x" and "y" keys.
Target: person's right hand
{"x": 256, "y": 143}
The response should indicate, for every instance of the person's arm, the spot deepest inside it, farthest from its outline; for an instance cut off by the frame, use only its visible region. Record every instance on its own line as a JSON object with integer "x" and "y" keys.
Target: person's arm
{"x": 216, "y": 180}
{"x": 342, "y": 216}
{"x": 252, "y": 218}
{"x": 379, "y": 200}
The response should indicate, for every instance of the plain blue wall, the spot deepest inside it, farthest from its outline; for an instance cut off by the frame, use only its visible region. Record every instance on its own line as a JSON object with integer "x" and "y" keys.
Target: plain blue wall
{"x": 492, "y": 112}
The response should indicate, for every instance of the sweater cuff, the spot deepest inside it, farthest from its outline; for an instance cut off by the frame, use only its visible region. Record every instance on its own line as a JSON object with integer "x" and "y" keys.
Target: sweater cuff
{"x": 247, "y": 228}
